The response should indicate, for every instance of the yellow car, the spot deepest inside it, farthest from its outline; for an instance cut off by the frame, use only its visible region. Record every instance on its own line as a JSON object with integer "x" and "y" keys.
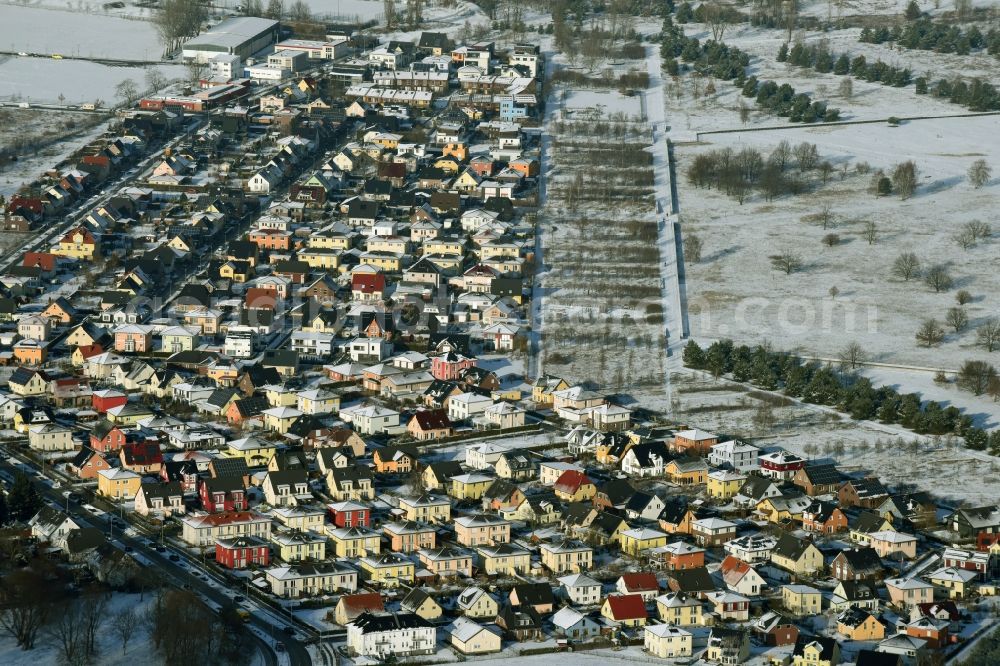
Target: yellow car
{"x": 56, "y": 56}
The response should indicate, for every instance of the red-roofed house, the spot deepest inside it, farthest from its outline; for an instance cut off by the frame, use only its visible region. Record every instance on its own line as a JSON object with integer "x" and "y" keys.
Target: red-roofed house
{"x": 642, "y": 583}
{"x": 43, "y": 260}
{"x": 574, "y": 486}
{"x": 429, "y": 424}
{"x": 141, "y": 457}
{"x": 627, "y": 610}
{"x": 740, "y": 577}
{"x": 86, "y": 352}
{"x": 351, "y": 606}
{"x": 242, "y": 551}
{"x": 367, "y": 286}
{"x": 259, "y": 298}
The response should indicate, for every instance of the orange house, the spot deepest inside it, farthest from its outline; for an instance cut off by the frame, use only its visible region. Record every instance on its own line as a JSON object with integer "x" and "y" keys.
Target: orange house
{"x": 824, "y": 518}
{"x": 680, "y": 555}
{"x": 394, "y": 459}
{"x": 271, "y": 239}
{"x": 30, "y": 352}
{"x": 527, "y": 167}
{"x": 89, "y": 462}
{"x": 457, "y": 150}
{"x": 408, "y": 535}
{"x": 677, "y": 519}
{"x": 697, "y": 442}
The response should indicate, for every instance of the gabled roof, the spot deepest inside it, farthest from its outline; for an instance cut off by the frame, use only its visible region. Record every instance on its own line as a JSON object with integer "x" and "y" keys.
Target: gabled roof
{"x": 626, "y": 606}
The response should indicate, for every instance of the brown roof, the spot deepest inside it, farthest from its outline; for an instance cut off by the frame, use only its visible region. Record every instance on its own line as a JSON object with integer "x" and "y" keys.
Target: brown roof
{"x": 432, "y": 419}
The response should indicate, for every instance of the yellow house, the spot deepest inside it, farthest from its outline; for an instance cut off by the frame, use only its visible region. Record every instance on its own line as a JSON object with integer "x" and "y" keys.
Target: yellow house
{"x": 422, "y": 604}
{"x": 296, "y": 546}
{"x": 860, "y": 625}
{"x": 818, "y": 652}
{"x": 465, "y": 182}
{"x": 797, "y": 555}
{"x": 443, "y": 246}
{"x": 328, "y": 240}
{"x": 426, "y": 508}
{"x": 679, "y": 609}
{"x": 354, "y": 541}
{"x": 255, "y": 451}
{"x": 476, "y": 602}
{"x": 504, "y": 559}
{"x": 302, "y": 517}
{"x": 118, "y": 483}
{"x": 956, "y": 582}
{"x": 280, "y": 419}
{"x": 667, "y": 641}
{"x": 567, "y": 556}
{"x": 281, "y": 396}
{"x": 782, "y": 510}
{"x": 237, "y": 271}
{"x": 724, "y": 485}
{"x": 389, "y": 263}
{"x": 387, "y": 244}
{"x": 318, "y": 401}
{"x": 470, "y": 486}
{"x": 545, "y": 386}
{"x": 78, "y": 243}
{"x": 129, "y": 414}
{"x": 387, "y": 570}
{"x": 636, "y": 541}
{"x": 626, "y": 610}
{"x": 802, "y": 599}
{"x": 320, "y": 257}
{"x": 447, "y": 164}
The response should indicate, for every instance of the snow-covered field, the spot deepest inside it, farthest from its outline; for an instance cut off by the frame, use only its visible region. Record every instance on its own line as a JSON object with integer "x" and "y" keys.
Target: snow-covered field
{"x": 72, "y": 33}
{"x": 78, "y": 81}
{"x": 109, "y": 648}
{"x": 606, "y": 101}
{"x": 734, "y": 291}
{"x": 939, "y": 465}
{"x": 362, "y": 10}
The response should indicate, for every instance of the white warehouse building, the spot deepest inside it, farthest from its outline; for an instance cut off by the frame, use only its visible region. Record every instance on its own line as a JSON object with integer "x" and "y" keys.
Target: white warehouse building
{"x": 242, "y": 36}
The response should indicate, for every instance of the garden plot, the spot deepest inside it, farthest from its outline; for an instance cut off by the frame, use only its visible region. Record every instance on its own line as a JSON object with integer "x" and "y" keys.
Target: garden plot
{"x": 39, "y": 139}
{"x": 602, "y": 316}
{"x": 938, "y": 465}
{"x": 845, "y": 290}
{"x": 71, "y": 33}
{"x": 78, "y": 81}
{"x": 602, "y": 103}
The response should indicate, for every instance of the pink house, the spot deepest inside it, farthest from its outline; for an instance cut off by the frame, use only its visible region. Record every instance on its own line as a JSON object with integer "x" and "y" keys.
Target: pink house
{"x": 133, "y": 339}
{"x": 450, "y": 366}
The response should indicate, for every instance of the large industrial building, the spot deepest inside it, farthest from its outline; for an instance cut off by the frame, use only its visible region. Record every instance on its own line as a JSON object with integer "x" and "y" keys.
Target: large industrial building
{"x": 242, "y": 36}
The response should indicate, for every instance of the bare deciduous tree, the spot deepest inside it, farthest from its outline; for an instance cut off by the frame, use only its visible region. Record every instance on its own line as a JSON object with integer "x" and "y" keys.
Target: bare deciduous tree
{"x": 963, "y": 297}
{"x": 979, "y": 173}
{"x": 957, "y": 318}
{"x": 155, "y": 80}
{"x": 125, "y": 623}
{"x": 930, "y": 334}
{"x": 904, "y": 178}
{"x": 127, "y": 91}
{"x": 846, "y": 87}
{"x": 870, "y": 232}
{"x": 788, "y": 262}
{"x": 976, "y": 377}
{"x": 906, "y": 266}
{"x": 938, "y": 279}
{"x": 852, "y": 356}
{"x": 806, "y": 156}
{"x": 988, "y": 335}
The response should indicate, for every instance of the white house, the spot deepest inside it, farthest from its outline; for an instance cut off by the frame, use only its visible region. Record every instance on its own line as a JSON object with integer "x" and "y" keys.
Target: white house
{"x": 466, "y": 405}
{"x": 484, "y": 456}
{"x": 50, "y": 437}
{"x": 581, "y": 589}
{"x": 739, "y": 456}
{"x": 395, "y": 634}
{"x": 371, "y": 419}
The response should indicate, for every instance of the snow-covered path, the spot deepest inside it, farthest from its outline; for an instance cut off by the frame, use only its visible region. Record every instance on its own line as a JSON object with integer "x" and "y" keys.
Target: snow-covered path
{"x": 668, "y": 241}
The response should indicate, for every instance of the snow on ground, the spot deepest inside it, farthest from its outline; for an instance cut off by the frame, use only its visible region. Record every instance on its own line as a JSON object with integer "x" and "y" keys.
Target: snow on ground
{"x": 607, "y": 101}
{"x": 78, "y": 81}
{"x": 837, "y": 8}
{"x": 90, "y": 7}
{"x": 41, "y": 30}
{"x": 352, "y": 10}
{"x": 939, "y": 465}
{"x": 109, "y": 646}
{"x": 734, "y": 291}
{"x": 39, "y": 122}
